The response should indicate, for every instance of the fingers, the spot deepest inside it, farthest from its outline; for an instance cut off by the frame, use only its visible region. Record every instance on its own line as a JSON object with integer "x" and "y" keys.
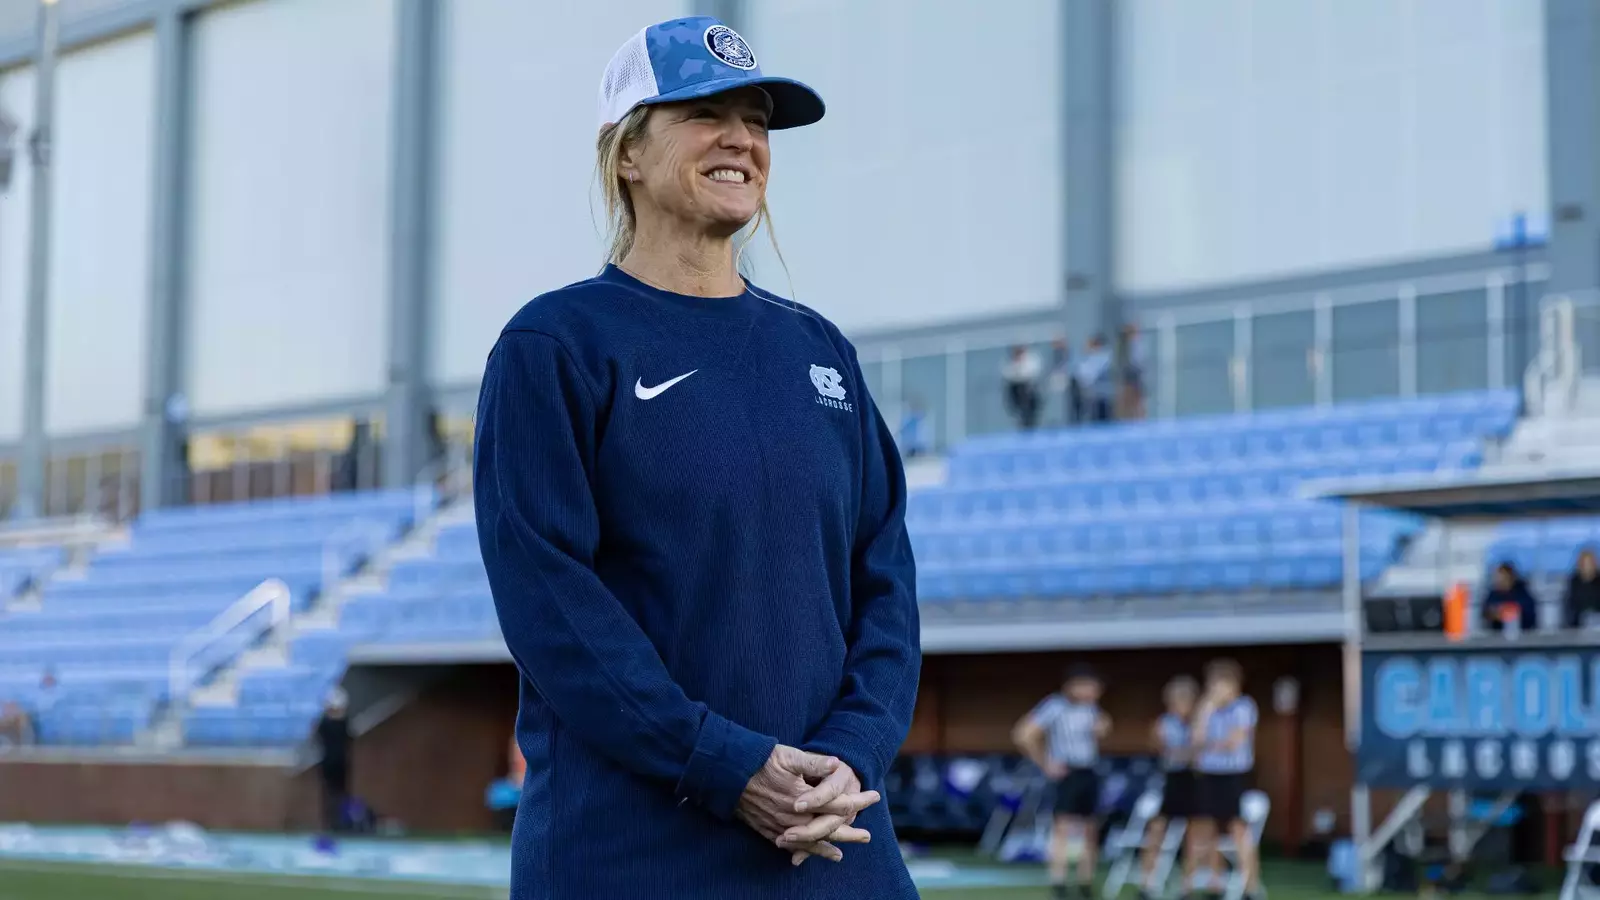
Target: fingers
{"x": 807, "y": 765}
{"x": 830, "y": 828}
{"x": 815, "y": 830}
{"x": 824, "y": 793}
{"x": 848, "y": 805}
{"x": 846, "y": 834}
{"x": 822, "y": 848}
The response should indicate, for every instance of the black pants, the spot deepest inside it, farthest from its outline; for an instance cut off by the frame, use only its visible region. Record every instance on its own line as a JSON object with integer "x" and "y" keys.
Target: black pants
{"x": 335, "y": 791}
{"x": 1023, "y": 398}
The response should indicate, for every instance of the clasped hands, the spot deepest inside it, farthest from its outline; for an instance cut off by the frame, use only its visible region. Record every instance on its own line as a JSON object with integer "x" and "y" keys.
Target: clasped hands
{"x": 806, "y": 803}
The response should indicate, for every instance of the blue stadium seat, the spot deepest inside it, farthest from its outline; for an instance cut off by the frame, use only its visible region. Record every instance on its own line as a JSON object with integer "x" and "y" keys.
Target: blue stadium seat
{"x": 1203, "y": 504}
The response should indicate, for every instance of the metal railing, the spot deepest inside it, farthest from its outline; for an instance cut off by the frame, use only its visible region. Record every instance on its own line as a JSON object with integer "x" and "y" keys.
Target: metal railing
{"x": 363, "y": 537}
{"x": 189, "y": 661}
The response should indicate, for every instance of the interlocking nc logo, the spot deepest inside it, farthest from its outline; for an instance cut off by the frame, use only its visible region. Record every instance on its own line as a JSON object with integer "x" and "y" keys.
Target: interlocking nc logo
{"x": 830, "y": 387}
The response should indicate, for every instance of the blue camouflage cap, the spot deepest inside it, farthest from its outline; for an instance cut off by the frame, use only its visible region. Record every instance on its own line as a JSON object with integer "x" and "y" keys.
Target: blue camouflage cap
{"x": 696, "y": 57}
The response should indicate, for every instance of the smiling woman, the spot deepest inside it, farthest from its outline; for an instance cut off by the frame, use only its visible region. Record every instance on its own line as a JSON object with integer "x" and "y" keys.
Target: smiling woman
{"x": 722, "y": 187}
{"x": 705, "y": 581}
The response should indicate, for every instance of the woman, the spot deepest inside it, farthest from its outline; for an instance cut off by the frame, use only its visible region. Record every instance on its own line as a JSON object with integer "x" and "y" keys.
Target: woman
{"x": 692, "y": 517}
{"x": 1582, "y": 599}
{"x": 1172, "y": 737}
{"x": 1509, "y": 600}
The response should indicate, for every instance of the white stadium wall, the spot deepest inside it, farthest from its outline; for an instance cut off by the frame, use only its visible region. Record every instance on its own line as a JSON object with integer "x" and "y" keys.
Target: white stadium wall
{"x": 1266, "y": 137}
{"x": 516, "y": 214}
{"x": 932, "y": 191}
{"x": 100, "y": 248}
{"x": 16, "y": 98}
{"x": 288, "y": 201}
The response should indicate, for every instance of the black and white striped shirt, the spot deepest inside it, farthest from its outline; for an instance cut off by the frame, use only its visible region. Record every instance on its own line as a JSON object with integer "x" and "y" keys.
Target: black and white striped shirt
{"x": 1069, "y": 729}
{"x": 1214, "y": 757}
{"x": 1175, "y": 736}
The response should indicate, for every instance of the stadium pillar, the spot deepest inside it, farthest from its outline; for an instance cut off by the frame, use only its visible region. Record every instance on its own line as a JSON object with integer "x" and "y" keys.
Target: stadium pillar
{"x": 411, "y": 183}
{"x": 31, "y": 471}
{"x": 1572, "y": 77}
{"x": 730, "y": 12}
{"x": 162, "y": 457}
{"x": 1089, "y": 167}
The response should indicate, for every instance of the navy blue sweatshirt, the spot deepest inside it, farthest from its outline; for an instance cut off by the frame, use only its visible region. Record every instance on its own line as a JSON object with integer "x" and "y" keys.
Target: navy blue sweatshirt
{"x": 692, "y": 518}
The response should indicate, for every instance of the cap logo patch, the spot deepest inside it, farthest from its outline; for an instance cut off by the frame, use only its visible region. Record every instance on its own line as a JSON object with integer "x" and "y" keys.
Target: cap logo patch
{"x": 726, "y": 45}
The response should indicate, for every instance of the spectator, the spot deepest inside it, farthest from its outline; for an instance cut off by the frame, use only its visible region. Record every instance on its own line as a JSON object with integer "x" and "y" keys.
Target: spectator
{"x": 1021, "y": 373}
{"x": 333, "y": 734}
{"x": 1096, "y": 381}
{"x": 1583, "y": 591}
{"x": 49, "y": 690}
{"x": 1063, "y": 386}
{"x": 16, "y": 728}
{"x": 914, "y": 430}
{"x": 1135, "y": 356}
{"x": 1509, "y": 600}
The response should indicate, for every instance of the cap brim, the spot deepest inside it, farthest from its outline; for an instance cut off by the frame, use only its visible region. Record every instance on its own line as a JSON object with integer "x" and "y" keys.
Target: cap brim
{"x": 793, "y": 104}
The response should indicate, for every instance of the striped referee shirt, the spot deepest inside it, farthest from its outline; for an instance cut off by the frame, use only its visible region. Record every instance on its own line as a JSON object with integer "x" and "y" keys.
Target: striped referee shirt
{"x": 1215, "y": 758}
{"x": 1069, "y": 731}
{"x": 1175, "y": 735}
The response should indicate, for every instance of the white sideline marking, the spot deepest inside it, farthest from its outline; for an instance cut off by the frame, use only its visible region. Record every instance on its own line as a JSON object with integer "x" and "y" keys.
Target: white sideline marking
{"x": 381, "y": 886}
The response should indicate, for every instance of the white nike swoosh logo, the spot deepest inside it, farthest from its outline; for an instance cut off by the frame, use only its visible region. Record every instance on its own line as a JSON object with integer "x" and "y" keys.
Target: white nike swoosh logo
{"x": 650, "y": 393}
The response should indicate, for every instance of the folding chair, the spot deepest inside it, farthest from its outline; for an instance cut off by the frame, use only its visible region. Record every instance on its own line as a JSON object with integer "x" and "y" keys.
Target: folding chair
{"x": 1122, "y": 846}
{"x": 1253, "y": 809}
{"x": 1167, "y": 857}
{"x": 1582, "y": 853}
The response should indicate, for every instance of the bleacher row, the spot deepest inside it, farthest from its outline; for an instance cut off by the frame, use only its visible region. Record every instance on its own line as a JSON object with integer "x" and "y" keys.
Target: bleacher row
{"x": 107, "y": 634}
{"x": 1191, "y": 505}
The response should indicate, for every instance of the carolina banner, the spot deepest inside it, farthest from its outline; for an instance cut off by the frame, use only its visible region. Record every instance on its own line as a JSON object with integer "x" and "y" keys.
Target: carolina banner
{"x": 1498, "y": 719}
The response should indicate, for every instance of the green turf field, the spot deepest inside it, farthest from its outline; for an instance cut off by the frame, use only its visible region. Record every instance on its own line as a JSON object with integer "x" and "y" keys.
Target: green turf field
{"x": 29, "y": 881}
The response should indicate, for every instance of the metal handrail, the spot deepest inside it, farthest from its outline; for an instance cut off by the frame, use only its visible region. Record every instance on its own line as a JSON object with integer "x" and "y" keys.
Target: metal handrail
{"x": 363, "y": 535}
{"x": 441, "y": 481}
{"x": 271, "y": 594}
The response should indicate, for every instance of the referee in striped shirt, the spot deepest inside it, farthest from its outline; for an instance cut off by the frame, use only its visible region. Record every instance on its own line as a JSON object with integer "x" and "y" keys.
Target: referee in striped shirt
{"x": 1225, "y": 735}
{"x": 1062, "y": 737}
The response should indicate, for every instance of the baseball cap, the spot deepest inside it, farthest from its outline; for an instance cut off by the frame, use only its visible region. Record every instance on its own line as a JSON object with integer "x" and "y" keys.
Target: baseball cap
{"x": 696, "y": 57}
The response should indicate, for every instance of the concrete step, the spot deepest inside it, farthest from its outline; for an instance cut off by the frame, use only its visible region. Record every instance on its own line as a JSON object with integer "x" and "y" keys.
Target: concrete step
{"x": 165, "y": 733}
{"x": 324, "y": 619}
{"x": 927, "y": 472}
{"x": 222, "y": 691}
{"x": 273, "y": 656}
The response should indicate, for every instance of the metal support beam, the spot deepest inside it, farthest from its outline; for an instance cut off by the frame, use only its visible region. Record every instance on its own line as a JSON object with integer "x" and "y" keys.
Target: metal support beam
{"x": 411, "y": 181}
{"x": 729, "y": 12}
{"x": 31, "y": 471}
{"x": 161, "y": 458}
{"x": 1088, "y": 38}
{"x": 1572, "y": 77}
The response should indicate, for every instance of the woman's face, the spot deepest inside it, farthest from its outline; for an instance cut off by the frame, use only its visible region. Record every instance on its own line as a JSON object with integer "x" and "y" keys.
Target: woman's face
{"x": 1586, "y": 564}
{"x": 1502, "y": 580}
{"x": 704, "y": 162}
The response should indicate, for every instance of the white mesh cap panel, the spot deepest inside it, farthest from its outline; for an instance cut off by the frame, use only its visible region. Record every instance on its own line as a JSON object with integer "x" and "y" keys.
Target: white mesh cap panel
{"x": 629, "y": 80}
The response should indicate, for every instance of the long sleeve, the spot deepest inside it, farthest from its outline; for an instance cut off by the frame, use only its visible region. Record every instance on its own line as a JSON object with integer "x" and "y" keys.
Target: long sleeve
{"x": 1529, "y": 609}
{"x": 538, "y": 421}
{"x": 870, "y": 719}
{"x": 1572, "y": 605}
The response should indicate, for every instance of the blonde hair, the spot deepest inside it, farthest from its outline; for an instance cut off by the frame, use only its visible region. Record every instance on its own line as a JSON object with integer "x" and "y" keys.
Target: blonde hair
{"x": 621, "y": 223}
